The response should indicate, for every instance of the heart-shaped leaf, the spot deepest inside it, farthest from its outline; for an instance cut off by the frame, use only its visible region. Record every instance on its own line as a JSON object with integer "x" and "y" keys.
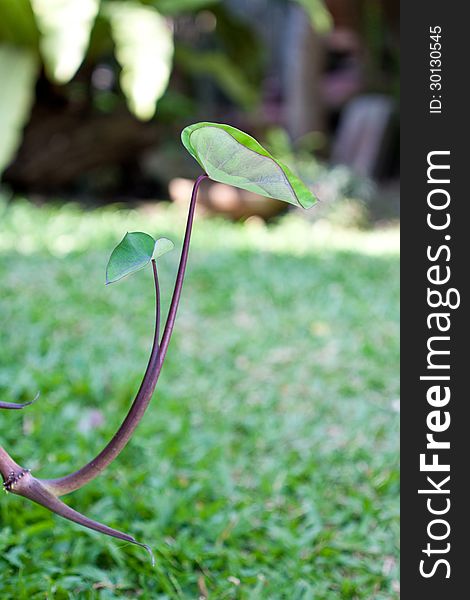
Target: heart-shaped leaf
{"x": 231, "y": 156}
{"x": 133, "y": 253}
{"x": 162, "y": 246}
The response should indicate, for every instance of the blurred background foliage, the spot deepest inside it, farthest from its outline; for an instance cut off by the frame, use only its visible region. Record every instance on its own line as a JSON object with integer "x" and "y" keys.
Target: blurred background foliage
{"x": 267, "y": 465}
{"x": 58, "y": 36}
{"x": 95, "y": 92}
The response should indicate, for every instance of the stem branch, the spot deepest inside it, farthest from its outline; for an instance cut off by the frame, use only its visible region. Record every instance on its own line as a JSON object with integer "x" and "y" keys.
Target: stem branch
{"x": 78, "y": 479}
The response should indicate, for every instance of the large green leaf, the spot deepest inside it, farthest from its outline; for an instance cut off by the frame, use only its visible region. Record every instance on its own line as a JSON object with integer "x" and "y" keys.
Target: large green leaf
{"x": 144, "y": 48}
{"x": 133, "y": 253}
{"x": 231, "y": 156}
{"x": 65, "y": 27}
{"x": 18, "y": 72}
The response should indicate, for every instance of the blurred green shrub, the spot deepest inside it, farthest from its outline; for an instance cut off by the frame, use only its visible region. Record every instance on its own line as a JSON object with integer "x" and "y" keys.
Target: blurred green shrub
{"x": 18, "y": 69}
{"x": 56, "y": 37}
{"x": 56, "y": 34}
{"x": 59, "y": 35}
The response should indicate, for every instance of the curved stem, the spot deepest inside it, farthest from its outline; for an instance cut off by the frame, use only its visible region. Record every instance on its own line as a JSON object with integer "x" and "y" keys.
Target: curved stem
{"x": 156, "y": 333}
{"x": 14, "y": 406}
{"x": 74, "y": 481}
{"x": 33, "y": 490}
{"x": 7, "y": 464}
{"x": 78, "y": 479}
{"x": 170, "y": 321}
{"x": 18, "y": 406}
{"x": 19, "y": 481}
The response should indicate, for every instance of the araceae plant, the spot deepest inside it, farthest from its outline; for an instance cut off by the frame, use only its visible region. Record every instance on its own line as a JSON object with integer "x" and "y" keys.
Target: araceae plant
{"x": 226, "y": 155}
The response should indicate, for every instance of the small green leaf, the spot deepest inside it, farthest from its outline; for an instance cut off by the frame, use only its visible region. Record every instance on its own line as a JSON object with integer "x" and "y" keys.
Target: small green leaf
{"x": 231, "y": 156}
{"x": 162, "y": 246}
{"x": 133, "y": 253}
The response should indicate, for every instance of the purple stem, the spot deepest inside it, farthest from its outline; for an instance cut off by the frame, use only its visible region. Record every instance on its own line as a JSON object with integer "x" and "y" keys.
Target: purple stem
{"x": 20, "y": 481}
{"x": 76, "y": 480}
{"x": 16, "y": 406}
{"x": 13, "y": 406}
{"x": 170, "y": 321}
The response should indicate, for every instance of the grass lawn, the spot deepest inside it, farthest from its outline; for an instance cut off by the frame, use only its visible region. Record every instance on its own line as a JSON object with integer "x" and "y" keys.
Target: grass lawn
{"x": 267, "y": 464}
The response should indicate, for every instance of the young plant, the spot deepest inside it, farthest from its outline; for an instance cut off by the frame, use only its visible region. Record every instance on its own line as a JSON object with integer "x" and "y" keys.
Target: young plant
{"x": 226, "y": 155}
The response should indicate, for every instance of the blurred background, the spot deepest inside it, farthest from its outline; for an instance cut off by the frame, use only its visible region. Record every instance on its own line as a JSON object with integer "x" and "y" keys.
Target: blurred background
{"x": 267, "y": 466}
{"x": 95, "y": 94}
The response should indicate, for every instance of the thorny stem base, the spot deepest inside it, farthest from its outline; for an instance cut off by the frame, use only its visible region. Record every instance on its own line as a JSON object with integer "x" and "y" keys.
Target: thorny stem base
{"x": 46, "y": 492}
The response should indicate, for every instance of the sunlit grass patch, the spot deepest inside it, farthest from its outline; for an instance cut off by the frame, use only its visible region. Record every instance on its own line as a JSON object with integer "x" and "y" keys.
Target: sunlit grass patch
{"x": 266, "y": 466}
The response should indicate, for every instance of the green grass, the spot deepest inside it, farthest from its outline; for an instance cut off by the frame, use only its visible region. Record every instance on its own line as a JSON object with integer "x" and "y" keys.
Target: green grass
{"x": 267, "y": 464}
